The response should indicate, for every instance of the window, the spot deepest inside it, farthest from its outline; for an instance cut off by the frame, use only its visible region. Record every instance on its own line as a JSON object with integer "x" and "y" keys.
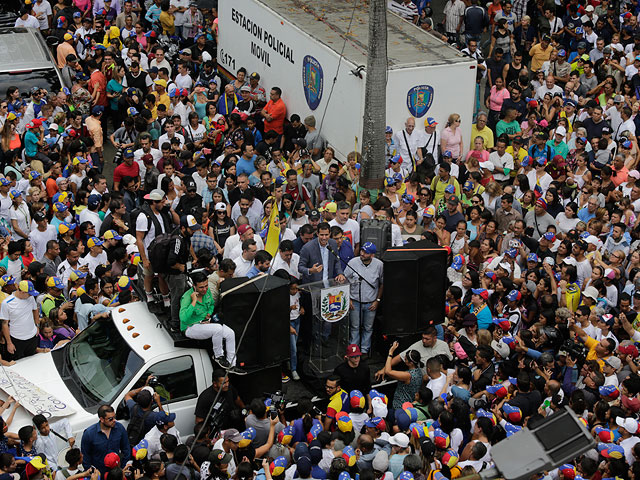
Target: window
{"x": 176, "y": 379}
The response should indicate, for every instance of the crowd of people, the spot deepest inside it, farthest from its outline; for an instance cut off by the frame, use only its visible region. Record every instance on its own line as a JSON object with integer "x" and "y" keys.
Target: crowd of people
{"x": 214, "y": 178}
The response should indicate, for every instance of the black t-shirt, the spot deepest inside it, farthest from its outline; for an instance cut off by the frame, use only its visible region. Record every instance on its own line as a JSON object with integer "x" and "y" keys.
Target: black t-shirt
{"x": 206, "y": 398}
{"x": 354, "y": 378}
{"x": 527, "y": 402}
{"x": 222, "y": 231}
{"x": 495, "y": 68}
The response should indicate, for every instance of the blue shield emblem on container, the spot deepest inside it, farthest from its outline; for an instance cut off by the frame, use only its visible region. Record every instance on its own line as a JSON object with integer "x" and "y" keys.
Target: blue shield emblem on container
{"x": 312, "y": 81}
{"x": 419, "y": 100}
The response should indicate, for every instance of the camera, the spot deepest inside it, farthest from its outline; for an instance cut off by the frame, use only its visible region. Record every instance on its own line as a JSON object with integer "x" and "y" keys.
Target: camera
{"x": 154, "y": 382}
{"x": 575, "y": 350}
{"x": 277, "y": 403}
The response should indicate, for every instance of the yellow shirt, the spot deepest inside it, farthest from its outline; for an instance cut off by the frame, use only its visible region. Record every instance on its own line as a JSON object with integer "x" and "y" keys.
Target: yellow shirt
{"x": 167, "y": 23}
{"x": 487, "y": 135}
{"x": 539, "y": 56}
{"x": 164, "y": 99}
{"x": 591, "y": 344}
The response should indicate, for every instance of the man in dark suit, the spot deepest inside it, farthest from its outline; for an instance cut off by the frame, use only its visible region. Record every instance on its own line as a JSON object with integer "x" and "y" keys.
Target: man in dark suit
{"x": 317, "y": 262}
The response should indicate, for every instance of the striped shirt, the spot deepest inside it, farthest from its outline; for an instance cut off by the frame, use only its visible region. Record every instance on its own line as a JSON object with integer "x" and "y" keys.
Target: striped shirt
{"x": 406, "y": 10}
{"x": 453, "y": 12}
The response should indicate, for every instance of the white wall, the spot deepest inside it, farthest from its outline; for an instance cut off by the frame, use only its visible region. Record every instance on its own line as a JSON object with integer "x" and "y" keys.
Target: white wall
{"x": 344, "y": 116}
{"x": 454, "y": 90}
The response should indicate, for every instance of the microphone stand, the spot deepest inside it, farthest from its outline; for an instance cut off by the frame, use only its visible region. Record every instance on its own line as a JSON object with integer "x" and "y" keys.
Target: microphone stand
{"x": 361, "y": 279}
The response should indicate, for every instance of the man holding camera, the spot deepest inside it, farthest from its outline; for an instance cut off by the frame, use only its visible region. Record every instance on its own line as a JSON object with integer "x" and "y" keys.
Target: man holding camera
{"x": 230, "y": 403}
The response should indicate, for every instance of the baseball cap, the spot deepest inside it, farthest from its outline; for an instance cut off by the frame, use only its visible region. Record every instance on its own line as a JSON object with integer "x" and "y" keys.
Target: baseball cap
{"x": 27, "y": 287}
{"x": 514, "y": 295}
{"x": 111, "y": 459}
{"x": 97, "y": 110}
{"x": 65, "y": 227}
{"x": 94, "y": 242}
{"x": 111, "y": 235}
{"x": 221, "y": 207}
{"x": 430, "y": 122}
{"x": 631, "y": 425}
{"x": 55, "y": 282}
{"x": 482, "y": 292}
{"x": 430, "y": 211}
{"x": 156, "y": 195}
{"x": 232, "y": 434}
{"x": 15, "y": 194}
{"x": 388, "y": 129}
{"x": 7, "y": 279}
{"x": 314, "y": 215}
{"x": 163, "y": 418}
{"x": 161, "y": 82}
{"x": 399, "y": 440}
{"x": 217, "y": 457}
{"x": 242, "y": 229}
{"x": 94, "y": 200}
{"x": 613, "y": 362}
{"x": 353, "y": 350}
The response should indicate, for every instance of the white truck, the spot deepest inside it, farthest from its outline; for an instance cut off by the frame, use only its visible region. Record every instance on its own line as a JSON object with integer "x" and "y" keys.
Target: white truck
{"x": 296, "y": 45}
{"x": 101, "y": 364}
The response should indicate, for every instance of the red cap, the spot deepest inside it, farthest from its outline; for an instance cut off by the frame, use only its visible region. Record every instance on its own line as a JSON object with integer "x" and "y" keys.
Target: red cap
{"x": 353, "y": 350}
{"x": 242, "y": 229}
{"x": 111, "y": 460}
{"x": 629, "y": 350}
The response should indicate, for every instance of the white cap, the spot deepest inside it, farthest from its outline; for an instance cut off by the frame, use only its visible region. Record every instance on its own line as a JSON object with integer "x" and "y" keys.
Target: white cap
{"x": 634, "y": 173}
{"x": 589, "y": 8}
{"x": 487, "y": 165}
{"x": 221, "y": 207}
{"x": 506, "y": 266}
{"x": 570, "y": 261}
{"x": 501, "y": 348}
{"x": 629, "y": 424}
{"x": 590, "y": 292}
{"x": 53, "y": 126}
{"x": 400, "y": 440}
{"x": 592, "y": 239}
{"x": 129, "y": 239}
{"x": 379, "y": 408}
{"x": 561, "y": 131}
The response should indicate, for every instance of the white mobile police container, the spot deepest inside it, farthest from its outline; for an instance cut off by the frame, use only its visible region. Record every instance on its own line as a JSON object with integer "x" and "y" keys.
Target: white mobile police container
{"x": 296, "y": 45}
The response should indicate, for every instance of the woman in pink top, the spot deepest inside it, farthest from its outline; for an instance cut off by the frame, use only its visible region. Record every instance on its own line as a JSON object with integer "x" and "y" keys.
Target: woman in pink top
{"x": 494, "y": 102}
{"x": 451, "y": 137}
{"x": 83, "y": 5}
{"x": 140, "y": 38}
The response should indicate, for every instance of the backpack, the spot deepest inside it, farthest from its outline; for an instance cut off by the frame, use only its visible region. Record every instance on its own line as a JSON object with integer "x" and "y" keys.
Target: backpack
{"x": 145, "y": 209}
{"x": 159, "y": 249}
{"x": 136, "y": 430}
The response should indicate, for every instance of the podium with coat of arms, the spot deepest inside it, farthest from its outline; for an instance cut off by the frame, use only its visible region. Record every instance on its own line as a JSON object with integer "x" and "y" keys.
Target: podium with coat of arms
{"x": 330, "y": 324}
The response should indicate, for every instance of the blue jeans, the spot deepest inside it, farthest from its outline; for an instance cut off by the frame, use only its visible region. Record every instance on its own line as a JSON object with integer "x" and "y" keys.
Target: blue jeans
{"x": 294, "y": 343}
{"x": 368, "y": 316}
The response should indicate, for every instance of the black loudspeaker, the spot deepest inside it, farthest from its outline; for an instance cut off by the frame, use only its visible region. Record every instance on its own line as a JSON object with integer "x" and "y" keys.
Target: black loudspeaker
{"x": 377, "y": 232}
{"x": 266, "y": 341}
{"x": 255, "y": 383}
{"x": 414, "y": 287}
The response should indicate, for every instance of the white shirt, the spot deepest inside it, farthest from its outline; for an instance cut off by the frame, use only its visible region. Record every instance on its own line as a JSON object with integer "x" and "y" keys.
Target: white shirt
{"x": 234, "y": 240}
{"x": 350, "y": 228}
{"x": 144, "y": 224}
{"x": 291, "y": 268}
{"x": 30, "y": 22}
{"x": 94, "y": 262}
{"x": 184, "y": 81}
{"x": 19, "y": 313}
{"x": 242, "y": 266}
{"x": 436, "y": 385}
{"x": 504, "y": 161}
{"x": 401, "y": 145}
{"x": 153, "y": 437}
{"x": 42, "y": 9}
{"x": 39, "y": 240}
{"x": 87, "y": 215}
{"x": 165, "y": 138}
{"x": 49, "y": 444}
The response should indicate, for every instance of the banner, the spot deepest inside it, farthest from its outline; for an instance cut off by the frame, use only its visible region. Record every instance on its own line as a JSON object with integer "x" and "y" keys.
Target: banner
{"x": 31, "y": 397}
{"x": 334, "y": 303}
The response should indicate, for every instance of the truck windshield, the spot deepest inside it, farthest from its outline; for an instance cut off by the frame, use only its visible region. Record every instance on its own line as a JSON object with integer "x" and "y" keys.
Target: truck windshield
{"x": 97, "y": 364}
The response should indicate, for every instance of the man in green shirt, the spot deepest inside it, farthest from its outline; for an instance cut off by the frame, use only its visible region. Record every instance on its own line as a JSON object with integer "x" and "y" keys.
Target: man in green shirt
{"x": 196, "y": 311}
{"x": 509, "y": 124}
{"x": 558, "y": 144}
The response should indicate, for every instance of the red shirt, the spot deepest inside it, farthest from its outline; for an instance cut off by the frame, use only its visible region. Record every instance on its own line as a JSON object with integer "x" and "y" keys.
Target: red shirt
{"x": 124, "y": 170}
{"x": 277, "y": 110}
{"x": 98, "y": 81}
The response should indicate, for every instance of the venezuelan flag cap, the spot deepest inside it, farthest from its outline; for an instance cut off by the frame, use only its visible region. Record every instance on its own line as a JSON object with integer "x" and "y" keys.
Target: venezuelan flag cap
{"x": 247, "y": 437}
{"x": 278, "y": 466}
{"x": 514, "y": 414}
{"x": 356, "y": 399}
{"x": 610, "y": 450}
{"x": 344, "y": 422}
{"x": 450, "y": 458}
{"x": 349, "y": 455}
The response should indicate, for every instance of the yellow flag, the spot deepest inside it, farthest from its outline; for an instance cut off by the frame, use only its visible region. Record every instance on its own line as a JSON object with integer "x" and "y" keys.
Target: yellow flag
{"x": 273, "y": 231}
